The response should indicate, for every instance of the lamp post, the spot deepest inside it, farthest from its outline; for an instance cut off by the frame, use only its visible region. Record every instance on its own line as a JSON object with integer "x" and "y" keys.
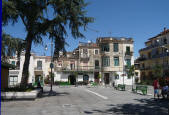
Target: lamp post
{"x": 51, "y": 64}
{"x": 123, "y": 63}
{"x": 76, "y": 53}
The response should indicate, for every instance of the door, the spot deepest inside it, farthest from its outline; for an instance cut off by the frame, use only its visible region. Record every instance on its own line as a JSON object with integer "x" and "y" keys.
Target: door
{"x": 106, "y": 78}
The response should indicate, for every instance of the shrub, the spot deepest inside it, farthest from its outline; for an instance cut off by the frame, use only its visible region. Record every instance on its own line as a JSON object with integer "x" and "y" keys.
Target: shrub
{"x": 136, "y": 79}
{"x": 46, "y": 80}
{"x": 18, "y": 89}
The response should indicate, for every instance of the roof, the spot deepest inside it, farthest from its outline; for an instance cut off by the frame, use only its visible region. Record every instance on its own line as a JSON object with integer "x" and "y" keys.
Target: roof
{"x": 160, "y": 34}
{"x": 115, "y": 39}
{"x": 88, "y": 45}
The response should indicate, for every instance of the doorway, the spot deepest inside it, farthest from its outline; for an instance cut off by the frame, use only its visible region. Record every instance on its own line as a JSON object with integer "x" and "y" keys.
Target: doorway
{"x": 106, "y": 78}
{"x": 72, "y": 79}
{"x": 96, "y": 77}
{"x": 85, "y": 79}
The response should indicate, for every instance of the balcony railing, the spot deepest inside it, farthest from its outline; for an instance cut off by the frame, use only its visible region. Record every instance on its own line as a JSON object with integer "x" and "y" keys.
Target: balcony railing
{"x": 142, "y": 58}
{"x": 81, "y": 68}
{"x": 97, "y": 67}
{"x": 151, "y": 46}
{"x": 128, "y": 53}
{"x": 161, "y": 55}
{"x": 84, "y": 58}
{"x": 38, "y": 68}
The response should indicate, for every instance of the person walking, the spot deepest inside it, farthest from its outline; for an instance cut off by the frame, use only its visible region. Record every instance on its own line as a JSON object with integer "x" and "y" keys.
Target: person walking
{"x": 156, "y": 88}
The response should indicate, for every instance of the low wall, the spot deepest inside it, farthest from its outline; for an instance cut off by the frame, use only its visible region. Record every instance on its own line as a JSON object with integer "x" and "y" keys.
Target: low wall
{"x": 20, "y": 95}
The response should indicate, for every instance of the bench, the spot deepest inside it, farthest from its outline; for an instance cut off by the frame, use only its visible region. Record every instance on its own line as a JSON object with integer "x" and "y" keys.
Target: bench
{"x": 120, "y": 87}
{"x": 141, "y": 88}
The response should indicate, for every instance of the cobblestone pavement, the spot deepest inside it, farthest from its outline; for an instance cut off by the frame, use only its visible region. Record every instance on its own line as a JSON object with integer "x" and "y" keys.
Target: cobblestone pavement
{"x": 84, "y": 100}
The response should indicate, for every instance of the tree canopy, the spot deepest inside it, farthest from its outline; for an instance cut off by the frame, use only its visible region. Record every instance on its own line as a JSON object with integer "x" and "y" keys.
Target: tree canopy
{"x": 66, "y": 15}
{"x": 11, "y": 46}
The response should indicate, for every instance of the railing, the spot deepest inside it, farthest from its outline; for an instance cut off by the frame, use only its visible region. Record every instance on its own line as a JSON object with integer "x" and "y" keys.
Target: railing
{"x": 13, "y": 72}
{"x": 38, "y": 68}
{"x": 128, "y": 53}
{"x": 97, "y": 67}
{"x": 86, "y": 58}
{"x": 142, "y": 58}
{"x": 81, "y": 68}
{"x": 161, "y": 55}
{"x": 149, "y": 47}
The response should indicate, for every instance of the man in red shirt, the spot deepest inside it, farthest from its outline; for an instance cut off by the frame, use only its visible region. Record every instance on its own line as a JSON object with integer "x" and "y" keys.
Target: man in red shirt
{"x": 156, "y": 87}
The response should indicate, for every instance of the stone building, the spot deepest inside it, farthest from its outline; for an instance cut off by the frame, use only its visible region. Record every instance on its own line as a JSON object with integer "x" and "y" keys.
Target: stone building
{"x": 105, "y": 62}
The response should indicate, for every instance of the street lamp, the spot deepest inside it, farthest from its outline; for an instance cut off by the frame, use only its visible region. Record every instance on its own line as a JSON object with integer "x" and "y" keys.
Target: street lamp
{"x": 51, "y": 64}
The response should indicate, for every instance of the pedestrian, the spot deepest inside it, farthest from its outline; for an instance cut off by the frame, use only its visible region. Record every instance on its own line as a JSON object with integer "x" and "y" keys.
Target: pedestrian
{"x": 156, "y": 88}
{"x": 164, "y": 90}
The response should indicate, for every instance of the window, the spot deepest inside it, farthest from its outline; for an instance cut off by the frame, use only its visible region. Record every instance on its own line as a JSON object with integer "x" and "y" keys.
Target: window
{"x": 13, "y": 80}
{"x": 96, "y": 52}
{"x": 116, "y": 61}
{"x": 96, "y": 64}
{"x": 127, "y": 50}
{"x": 149, "y": 55}
{"x": 106, "y": 61}
{"x": 116, "y": 47}
{"x": 128, "y": 62}
{"x": 165, "y": 41}
{"x": 72, "y": 66}
{"x": 105, "y": 47}
{"x": 116, "y": 76}
{"x": 39, "y": 65}
{"x": 85, "y": 53}
{"x": 13, "y": 62}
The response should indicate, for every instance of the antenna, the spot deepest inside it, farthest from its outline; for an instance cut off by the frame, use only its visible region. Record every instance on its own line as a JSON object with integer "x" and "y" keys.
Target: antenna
{"x": 110, "y": 33}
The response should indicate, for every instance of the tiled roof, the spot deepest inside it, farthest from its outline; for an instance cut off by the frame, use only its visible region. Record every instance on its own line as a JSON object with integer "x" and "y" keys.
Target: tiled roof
{"x": 162, "y": 33}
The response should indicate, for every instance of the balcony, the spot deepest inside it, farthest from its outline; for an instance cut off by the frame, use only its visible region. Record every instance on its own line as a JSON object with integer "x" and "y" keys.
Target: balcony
{"x": 38, "y": 68}
{"x": 161, "y": 55}
{"x": 84, "y": 58}
{"x": 128, "y": 53}
{"x": 97, "y": 67}
{"x": 149, "y": 47}
{"x": 80, "y": 69}
{"x": 142, "y": 58}
{"x": 13, "y": 72}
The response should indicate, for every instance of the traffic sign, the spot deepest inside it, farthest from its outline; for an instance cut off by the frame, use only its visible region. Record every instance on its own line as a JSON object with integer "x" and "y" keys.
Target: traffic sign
{"x": 51, "y": 65}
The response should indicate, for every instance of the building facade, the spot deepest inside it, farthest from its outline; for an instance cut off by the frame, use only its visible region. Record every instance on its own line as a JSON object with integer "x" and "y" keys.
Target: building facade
{"x": 155, "y": 54}
{"x": 104, "y": 62}
{"x": 38, "y": 68}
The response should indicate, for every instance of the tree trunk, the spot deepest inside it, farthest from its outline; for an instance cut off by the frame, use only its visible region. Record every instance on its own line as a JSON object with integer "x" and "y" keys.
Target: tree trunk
{"x": 25, "y": 71}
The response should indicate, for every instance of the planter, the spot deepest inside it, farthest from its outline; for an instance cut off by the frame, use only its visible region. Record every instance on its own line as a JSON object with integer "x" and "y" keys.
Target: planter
{"x": 20, "y": 95}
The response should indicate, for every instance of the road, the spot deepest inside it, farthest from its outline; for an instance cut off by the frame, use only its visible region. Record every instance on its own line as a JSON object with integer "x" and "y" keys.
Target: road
{"x": 86, "y": 101}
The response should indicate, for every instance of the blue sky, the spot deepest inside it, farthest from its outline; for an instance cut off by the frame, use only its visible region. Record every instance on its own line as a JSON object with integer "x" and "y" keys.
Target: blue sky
{"x": 139, "y": 19}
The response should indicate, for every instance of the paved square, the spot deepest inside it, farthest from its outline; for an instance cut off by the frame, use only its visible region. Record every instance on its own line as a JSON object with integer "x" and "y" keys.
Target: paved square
{"x": 83, "y": 100}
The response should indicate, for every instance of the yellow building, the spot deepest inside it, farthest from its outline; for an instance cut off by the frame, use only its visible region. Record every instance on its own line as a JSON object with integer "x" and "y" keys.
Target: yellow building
{"x": 156, "y": 53}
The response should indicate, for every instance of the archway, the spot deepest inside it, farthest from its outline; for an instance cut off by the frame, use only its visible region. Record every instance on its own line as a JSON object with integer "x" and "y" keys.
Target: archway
{"x": 72, "y": 79}
{"x": 85, "y": 79}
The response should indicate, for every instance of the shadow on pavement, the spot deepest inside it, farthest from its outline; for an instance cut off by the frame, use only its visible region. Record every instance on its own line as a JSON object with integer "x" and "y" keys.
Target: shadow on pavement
{"x": 147, "y": 107}
{"x": 53, "y": 93}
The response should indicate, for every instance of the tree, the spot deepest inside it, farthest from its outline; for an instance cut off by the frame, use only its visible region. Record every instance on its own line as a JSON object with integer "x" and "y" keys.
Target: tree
{"x": 131, "y": 72}
{"x": 157, "y": 71}
{"x": 11, "y": 46}
{"x": 67, "y": 14}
